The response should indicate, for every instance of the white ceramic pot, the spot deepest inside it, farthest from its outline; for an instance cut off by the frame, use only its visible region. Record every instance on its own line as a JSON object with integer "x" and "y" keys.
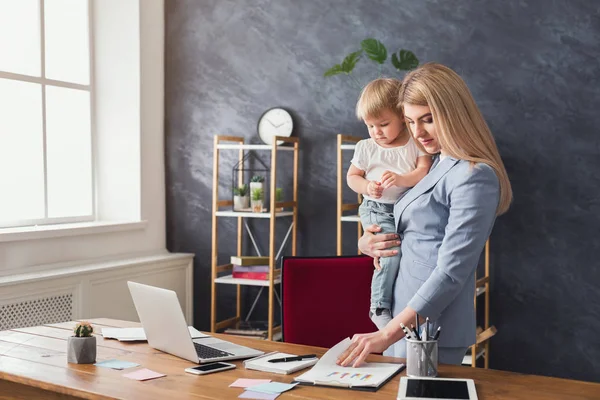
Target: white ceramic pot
{"x": 241, "y": 202}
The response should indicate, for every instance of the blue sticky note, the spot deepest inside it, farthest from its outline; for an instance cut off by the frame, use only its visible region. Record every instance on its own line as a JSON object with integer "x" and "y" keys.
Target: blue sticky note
{"x": 272, "y": 387}
{"x": 116, "y": 364}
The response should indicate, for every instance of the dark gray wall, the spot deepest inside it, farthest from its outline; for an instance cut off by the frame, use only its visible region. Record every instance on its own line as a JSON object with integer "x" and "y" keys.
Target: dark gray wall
{"x": 533, "y": 69}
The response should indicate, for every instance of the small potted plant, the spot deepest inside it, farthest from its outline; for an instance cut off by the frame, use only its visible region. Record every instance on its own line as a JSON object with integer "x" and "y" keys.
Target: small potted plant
{"x": 257, "y": 200}
{"x": 257, "y": 182}
{"x": 278, "y": 197}
{"x": 240, "y": 198}
{"x": 81, "y": 348}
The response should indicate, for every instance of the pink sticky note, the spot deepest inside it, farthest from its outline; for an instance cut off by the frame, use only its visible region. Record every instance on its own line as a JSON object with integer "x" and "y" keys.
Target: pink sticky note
{"x": 244, "y": 383}
{"x": 143, "y": 375}
{"x": 258, "y": 395}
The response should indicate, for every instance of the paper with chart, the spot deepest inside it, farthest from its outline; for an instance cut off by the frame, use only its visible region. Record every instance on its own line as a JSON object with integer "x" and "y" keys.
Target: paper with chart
{"x": 327, "y": 372}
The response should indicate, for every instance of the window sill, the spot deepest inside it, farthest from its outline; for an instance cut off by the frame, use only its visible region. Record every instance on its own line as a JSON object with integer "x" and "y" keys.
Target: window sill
{"x": 63, "y": 230}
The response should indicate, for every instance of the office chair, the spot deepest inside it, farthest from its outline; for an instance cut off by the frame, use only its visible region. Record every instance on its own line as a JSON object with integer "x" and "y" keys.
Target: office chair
{"x": 325, "y": 299}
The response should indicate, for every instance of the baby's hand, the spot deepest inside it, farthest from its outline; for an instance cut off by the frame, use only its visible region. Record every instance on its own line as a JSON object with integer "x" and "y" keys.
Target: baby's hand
{"x": 374, "y": 189}
{"x": 376, "y": 263}
{"x": 389, "y": 179}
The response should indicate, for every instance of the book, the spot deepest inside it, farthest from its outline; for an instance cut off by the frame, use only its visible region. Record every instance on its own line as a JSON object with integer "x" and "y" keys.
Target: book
{"x": 249, "y": 260}
{"x": 368, "y": 377}
{"x": 258, "y": 272}
{"x": 261, "y": 363}
{"x": 251, "y": 329}
{"x": 259, "y": 276}
{"x": 250, "y": 268}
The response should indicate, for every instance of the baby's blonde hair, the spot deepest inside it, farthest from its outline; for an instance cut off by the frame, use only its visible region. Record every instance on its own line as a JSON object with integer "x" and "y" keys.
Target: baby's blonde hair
{"x": 461, "y": 129}
{"x": 378, "y": 95}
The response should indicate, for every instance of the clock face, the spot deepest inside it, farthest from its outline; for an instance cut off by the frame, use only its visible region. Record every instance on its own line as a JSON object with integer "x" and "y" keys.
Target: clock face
{"x": 275, "y": 122}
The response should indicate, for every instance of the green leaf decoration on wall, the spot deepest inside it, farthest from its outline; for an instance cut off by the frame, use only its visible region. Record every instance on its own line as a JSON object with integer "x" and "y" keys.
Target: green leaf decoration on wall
{"x": 374, "y": 49}
{"x": 404, "y": 60}
{"x": 347, "y": 66}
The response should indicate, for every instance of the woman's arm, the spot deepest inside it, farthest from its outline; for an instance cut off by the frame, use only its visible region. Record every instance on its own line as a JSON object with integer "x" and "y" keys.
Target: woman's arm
{"x": 365, "y": 344}
{"x": 473, "y": 201}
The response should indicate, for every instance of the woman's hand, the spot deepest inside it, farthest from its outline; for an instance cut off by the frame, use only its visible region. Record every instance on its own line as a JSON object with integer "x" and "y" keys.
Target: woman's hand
{"x": 376, "y": 245}
{"x": 363, "y": 345}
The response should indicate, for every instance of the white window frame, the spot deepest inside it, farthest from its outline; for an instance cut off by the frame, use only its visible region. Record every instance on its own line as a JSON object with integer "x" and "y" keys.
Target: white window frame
{"x": 44, "y": 82}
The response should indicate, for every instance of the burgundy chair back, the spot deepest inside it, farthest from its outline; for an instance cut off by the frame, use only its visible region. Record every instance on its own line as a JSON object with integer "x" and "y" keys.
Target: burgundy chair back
{"x": 325, "y": 299}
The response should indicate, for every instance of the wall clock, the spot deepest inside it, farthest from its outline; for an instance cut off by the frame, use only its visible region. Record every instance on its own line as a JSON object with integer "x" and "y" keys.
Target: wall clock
{"x": 275, "y": 122}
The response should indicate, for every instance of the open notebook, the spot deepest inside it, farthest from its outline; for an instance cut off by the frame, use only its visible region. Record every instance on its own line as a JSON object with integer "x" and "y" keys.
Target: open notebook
{"x": 261, "y": 363}
{"x": 370, "y": 376}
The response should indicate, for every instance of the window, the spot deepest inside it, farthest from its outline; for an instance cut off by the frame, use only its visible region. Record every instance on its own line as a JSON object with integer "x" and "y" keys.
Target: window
{"x": 46, "y": 118}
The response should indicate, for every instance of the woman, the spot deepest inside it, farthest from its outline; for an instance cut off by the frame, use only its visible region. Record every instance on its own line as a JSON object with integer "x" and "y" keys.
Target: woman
{"x": 443, "y": 222}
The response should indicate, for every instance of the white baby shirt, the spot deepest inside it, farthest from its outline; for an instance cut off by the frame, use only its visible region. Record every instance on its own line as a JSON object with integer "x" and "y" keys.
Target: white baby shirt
{"x": 375, "y": 160}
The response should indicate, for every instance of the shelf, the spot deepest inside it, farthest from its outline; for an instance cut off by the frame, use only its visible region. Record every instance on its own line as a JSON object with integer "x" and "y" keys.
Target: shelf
{"x": 252, "y": 147}
{"x": 348, "y": 146}
{"x": 350, "y": 218}
{"x": 229, "y": 279}
{"x": 253, "y": 214}
{"x": 467, "y": 358}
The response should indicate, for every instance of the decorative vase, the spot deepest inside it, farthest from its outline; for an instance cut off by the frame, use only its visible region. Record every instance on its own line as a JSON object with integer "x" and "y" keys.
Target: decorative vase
{"x": 240, "y": 202}
{"x": 257, "y": 206}
{"x": 81, "y": 350}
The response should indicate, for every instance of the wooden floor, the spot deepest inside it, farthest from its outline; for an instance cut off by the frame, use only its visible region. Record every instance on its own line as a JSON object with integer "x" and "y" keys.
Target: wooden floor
{"x": 33, "y": 365}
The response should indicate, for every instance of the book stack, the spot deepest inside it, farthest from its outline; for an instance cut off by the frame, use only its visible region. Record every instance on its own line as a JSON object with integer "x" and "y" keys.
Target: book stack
{"x": 250, "y": 329}
{"x": 250, "y": 267}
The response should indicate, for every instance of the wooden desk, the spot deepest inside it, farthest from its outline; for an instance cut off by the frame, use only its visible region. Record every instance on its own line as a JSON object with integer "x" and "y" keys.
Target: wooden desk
{"x": 33, "y": 364}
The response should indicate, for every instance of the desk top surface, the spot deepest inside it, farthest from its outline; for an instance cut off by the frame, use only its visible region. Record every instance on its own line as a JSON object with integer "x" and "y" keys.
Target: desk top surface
{"x": 36, "y": 357}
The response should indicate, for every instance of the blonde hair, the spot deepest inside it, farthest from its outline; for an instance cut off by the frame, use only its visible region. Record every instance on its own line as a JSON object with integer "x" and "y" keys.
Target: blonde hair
{"x": 378, "y": 95}
{"x": 461, "y": 129}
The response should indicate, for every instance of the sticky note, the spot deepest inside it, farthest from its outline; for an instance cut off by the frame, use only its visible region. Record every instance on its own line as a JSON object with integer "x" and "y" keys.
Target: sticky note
{"x": 272, "y": 387}
{"x": 248, "y": 394}
{"x": 116, "y": 364}
{"x": 143, "y": 375}
{"x": 244, "y": 383}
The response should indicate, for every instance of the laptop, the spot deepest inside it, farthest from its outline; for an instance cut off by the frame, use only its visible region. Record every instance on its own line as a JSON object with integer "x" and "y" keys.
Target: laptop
{"x": 166, "y": 329}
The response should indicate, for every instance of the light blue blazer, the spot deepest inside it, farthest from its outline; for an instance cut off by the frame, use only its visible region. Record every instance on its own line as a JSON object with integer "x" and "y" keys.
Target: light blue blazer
{"x": 444, "y": 222}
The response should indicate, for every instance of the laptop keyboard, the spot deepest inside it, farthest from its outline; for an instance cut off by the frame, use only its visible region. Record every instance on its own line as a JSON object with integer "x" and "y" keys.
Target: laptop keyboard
{"x": 209, "y": 352}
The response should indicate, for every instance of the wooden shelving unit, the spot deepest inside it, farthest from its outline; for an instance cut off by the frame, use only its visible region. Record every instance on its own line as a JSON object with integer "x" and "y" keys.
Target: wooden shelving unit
{"x": 345, "y": 142}
{"x": 482, "y": 286}
{"x": 481, "y": 348}
{"x": 219, "y": 272}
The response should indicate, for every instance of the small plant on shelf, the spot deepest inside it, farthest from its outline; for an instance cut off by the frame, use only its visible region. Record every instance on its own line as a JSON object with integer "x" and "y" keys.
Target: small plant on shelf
{"x": 240, "y": 197}
{"x": 257, "y": 182}
{"x": 81, "y": 347}
{"x": 278, "y": 197}
{"x": 257, "y": 202}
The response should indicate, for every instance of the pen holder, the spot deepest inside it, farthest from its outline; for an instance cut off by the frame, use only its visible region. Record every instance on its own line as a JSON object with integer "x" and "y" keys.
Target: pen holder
{"x": 421, "y": 358}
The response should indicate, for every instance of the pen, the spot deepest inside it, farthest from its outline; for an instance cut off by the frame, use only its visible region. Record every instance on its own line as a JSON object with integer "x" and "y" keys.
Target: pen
{"x": 295, "y": 358}
{"x": 417, "y": 325}
{"x": 427, "y": 328}
{"x": 437, "y": 333}
{"x": 405, "y": 329}
{"x": 414, "y": 331}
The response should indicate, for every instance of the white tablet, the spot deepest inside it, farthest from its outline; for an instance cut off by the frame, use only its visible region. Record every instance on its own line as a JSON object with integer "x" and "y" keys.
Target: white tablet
{"x": 436, "y": 389}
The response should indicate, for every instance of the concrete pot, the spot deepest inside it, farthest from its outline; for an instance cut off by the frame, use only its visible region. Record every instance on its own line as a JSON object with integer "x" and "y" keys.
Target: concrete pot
{"x": 241, "y": 202}
{"x": 81, "y": 350}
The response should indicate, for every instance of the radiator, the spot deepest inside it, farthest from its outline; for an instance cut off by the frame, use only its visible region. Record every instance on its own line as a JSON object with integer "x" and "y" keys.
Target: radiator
{"x": 33, "y": 312}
